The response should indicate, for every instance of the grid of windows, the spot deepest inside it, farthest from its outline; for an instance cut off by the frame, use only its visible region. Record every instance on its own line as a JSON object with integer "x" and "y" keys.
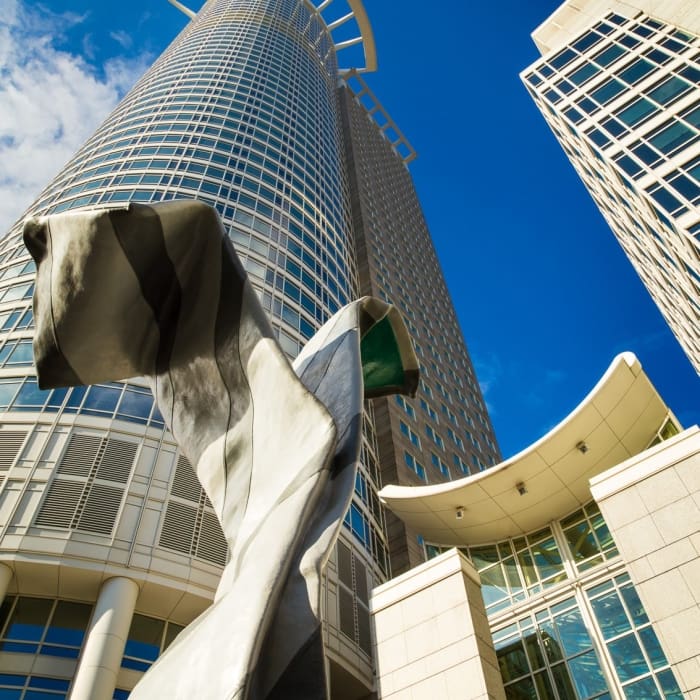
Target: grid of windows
{"x": 568, "y": 624}
{"x": 622, "y": 99}
{"x": 241, "y": 112}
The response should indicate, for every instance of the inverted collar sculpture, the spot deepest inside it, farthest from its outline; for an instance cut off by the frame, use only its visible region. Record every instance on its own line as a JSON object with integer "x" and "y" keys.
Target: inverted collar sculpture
{"x": 158, "y": 291}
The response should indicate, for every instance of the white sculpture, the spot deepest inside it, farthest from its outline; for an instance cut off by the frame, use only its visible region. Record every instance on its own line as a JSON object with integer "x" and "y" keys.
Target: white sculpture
{"x": 158, "y": 291}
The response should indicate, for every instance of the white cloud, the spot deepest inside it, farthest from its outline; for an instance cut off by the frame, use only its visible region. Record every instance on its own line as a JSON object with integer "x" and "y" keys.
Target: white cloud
{"x": 51, "y": 100}
{"x": 122, "y": 38}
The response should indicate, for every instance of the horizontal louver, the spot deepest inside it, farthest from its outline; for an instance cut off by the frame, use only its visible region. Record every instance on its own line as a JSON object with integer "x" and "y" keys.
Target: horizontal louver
{"x": 186, "y": 484}
{"x": 60, "y": 503}
{"x": 178, "y": 527}
{"x": 212, "y": 544}
{"x": 117, "y": 460}
{"x": 78, "y": 498}
{"x": 11, "y": 442}
{"x": 100, "y": 509}
{"x": 80, "y": 455}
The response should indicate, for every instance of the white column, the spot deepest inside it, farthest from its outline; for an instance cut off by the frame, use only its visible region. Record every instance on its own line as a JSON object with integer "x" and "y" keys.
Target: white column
{"x": 102, "y": 654}
{"x": 5, "y": 578}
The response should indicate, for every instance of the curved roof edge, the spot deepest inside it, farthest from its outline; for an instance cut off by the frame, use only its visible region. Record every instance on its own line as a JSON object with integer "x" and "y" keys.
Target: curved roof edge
{"x": 618, "y": 418}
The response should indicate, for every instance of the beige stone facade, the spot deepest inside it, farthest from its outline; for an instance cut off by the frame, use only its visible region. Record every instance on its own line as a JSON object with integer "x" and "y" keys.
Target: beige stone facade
{"x": 432, "y": 637}
{"x": 651, "y": 503}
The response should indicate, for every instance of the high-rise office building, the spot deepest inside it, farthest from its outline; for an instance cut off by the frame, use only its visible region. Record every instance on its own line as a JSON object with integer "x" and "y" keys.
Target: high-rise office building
{"x": 618, "y": 83}
{"x": 98, "y": 510}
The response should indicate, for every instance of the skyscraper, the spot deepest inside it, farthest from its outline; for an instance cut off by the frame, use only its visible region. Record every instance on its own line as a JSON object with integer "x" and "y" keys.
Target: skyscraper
{"x": 98, "y": 510}
{"x": 618, "y": 83}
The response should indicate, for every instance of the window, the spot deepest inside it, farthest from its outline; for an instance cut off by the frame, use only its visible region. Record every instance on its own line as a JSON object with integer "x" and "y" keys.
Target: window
{"x": 148, "y": 638}
{"x": 635, "y": 112}
{"x": 44, "y": 626}
{"x": 668, "y": 91}
{"x": 405, "y": 430}
{"x": 588, "y": 537}
{"x": 639, "y": 662}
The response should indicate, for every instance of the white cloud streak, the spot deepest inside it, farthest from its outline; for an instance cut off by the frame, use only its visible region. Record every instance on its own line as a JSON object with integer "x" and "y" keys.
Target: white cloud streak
{"x": 51, "y": 100}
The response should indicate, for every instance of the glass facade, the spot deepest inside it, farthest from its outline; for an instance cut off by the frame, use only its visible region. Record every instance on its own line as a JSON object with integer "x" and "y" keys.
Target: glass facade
{"x": 622, "y": 98}
{"x": 243, "y": 111}
{"x": 567, "y": 623}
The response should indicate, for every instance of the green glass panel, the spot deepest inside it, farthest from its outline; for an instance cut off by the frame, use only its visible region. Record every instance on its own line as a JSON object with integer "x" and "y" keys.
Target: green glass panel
{"x": 572, "y": 632}
{"x": 587, "y": 674}
{"x": 651, "y": 645}
{"x": 669, "y": 686}
{"x": 544, "y": 686}
{"x": 512, "y": 660}
{"x": 611, "y": 615}
{"x": 642, "y": 690}
{"x": 602, "y": 532}
{"x": 627, "y": 657}
{"x": 381, "y": 360}
{"x": 522, "y": 690}
{"x": 634, "y": 605}
{"x": 562, "y": 680}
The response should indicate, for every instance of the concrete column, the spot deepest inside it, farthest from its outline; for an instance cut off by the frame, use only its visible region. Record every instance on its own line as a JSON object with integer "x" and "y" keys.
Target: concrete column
{"x": 102, "y": 654}
{"x": 5, "y": 578}
{"x": 432, "y": 637}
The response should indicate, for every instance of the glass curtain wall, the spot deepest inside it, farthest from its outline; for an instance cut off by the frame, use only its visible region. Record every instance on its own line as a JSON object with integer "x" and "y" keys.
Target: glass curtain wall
{"x": 566, "y": 620}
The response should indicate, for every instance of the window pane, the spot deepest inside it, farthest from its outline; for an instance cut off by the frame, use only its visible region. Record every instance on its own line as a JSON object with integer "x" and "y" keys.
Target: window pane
{"x": 642, "y": 690}
{"x": 627, "y": 657}
{"x": 610, "y": 615}
{"x": 100, "y": 398}
{"x": 512, "y": 661}
{"x": 563, "y": 682}
{"x": 522, "y": 690}
{"x": 572, "y": 632}
{"x": 637, "y": 71}
{"x": 135, "y": 403}
{"x": 547, "y": 558}
{"x": 30, "y": 396}
{"x": 29, "y": 619}
{"x": 145, "y": 636}
{"x": 637, "y": 111}
{"x": 672, "y": 137}
{"x": 68, "y": 624}
{"x": 634, "y": 605}
{"x": 588, "y": 678}
{"x": 668, "y": 90}
{"x": 493, "y": 585}
{"x": 652, "y": 647}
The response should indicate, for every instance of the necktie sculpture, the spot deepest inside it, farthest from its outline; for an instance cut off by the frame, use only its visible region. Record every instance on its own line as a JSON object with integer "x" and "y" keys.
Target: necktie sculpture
{"x": 158, "y": 291}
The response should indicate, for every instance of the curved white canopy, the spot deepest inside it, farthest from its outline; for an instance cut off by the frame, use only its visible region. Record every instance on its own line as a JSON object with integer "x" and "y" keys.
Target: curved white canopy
{"x": 618, "y": 419}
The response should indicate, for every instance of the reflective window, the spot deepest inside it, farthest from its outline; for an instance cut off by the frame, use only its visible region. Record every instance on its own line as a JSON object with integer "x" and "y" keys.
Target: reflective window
{"x": 43, "y": 626}
{"x": 148, "y": 638}
{"x": 588, "y": 537}
{"x": 547, "y": 651}
{"x": 639, "y": 662}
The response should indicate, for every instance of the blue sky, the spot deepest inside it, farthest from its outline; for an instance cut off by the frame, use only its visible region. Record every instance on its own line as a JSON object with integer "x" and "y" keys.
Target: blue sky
{"x": 545, "y": 296}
